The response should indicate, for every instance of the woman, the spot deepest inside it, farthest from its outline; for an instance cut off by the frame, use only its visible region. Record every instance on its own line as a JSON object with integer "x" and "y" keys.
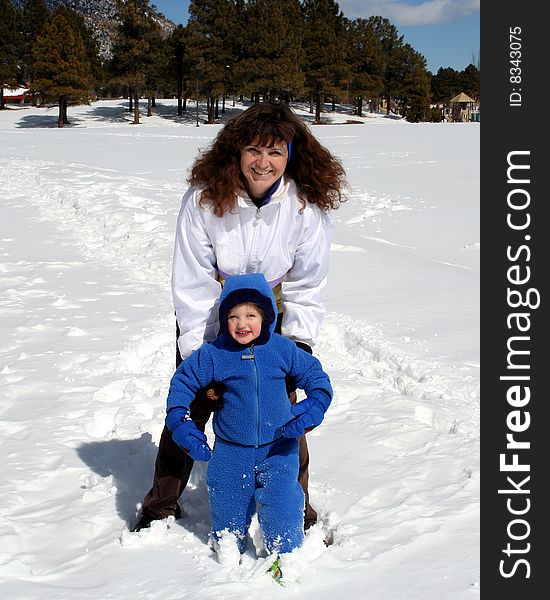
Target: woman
{"x": 257, "y": 202}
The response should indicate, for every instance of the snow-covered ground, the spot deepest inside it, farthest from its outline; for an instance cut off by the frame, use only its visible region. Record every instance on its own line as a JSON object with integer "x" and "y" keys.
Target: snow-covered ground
{"x": 87, "y": 218}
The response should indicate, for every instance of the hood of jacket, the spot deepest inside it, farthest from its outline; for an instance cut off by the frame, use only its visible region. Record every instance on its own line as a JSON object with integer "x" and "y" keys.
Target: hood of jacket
{"x": 253, "y": 288}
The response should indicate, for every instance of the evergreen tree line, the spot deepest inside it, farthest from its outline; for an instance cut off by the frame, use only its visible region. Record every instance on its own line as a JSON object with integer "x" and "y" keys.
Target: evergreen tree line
{"x": 260, "y": 49}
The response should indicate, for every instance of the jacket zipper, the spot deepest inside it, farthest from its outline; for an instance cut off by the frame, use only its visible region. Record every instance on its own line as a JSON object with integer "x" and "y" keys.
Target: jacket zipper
{"x": 255, "y": 233}
{"x": 257, "y": 382}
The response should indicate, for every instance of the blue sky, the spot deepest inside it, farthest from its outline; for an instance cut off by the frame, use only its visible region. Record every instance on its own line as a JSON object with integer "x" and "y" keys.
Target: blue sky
{"x": 445, "y": 32}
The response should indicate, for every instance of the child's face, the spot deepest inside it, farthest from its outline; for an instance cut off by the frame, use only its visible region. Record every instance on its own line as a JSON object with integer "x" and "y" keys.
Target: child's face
{"x": 244, "y": 323}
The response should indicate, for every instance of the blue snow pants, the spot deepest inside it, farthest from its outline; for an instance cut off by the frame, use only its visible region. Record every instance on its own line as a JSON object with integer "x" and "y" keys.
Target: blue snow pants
{"x": 241, "y": 479}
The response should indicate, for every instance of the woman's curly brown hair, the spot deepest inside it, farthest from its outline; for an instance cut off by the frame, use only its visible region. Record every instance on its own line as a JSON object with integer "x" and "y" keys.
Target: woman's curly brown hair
{"x": 319, "y": 176}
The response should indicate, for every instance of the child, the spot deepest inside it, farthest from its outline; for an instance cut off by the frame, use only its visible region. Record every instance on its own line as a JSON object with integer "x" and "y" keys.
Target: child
{"x": 255, "y": 457}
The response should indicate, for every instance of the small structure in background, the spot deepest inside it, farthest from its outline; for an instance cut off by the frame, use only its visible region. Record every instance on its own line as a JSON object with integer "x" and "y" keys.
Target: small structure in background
{"x": 15, "y": 95}
{"x": 462, "y": 109}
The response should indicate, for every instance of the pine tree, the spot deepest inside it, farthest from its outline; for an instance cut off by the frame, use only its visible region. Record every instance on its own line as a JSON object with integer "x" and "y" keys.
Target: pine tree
{"x": 135, "y": 50}
{"x": 470, "y": 81}
{"x": 391, "y": 42}
{"x": 414, "y": 84}
{"x": 178, "y": 64}
{"x": 59, "y": 62}
{"x": 237, "y": 35}
{"x": 326, "y": 65}
{"x": 10, "y": 41}
{"x": 446, "y": 84}
{"x": 272, "y": 49}
{"x": 91, "y": 45}
{"x": 127, "y": 50}
{"x": 366, "y": 61}
{"x": 33, "y": 17}
{"x": 156, "y": 60}
{"x": 212, "y": 40}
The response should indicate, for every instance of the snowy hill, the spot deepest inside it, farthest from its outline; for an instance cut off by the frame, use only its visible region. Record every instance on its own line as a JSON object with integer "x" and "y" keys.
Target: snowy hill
{"x": 88, "y": 219}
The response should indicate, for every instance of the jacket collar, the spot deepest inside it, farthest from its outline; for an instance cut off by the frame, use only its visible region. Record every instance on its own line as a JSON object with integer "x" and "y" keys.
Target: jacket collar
{"x": 277, "y": 195}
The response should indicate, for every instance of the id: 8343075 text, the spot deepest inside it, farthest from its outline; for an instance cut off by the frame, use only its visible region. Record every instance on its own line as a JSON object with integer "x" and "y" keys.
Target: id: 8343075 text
{"x": 515, "y": 46}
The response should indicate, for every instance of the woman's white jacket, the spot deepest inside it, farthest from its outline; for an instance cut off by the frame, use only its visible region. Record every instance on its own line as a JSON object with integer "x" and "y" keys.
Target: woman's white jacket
{"x": 286, "y": 242}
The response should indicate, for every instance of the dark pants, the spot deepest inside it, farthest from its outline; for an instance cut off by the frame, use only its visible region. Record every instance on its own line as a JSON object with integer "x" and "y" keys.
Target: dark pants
{"x": 173, "y": 466}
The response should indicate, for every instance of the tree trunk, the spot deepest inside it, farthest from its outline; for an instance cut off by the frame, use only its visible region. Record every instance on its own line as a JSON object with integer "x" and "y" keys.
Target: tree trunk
{"x": 317, "y": 107}
{"x": 360, "y": 106}
{"x": 131, "y": 104}
{"x": 65, "y": 105}
{"x": 311, "y": 102}
{"x": 136, "y": 108}
{"x": 179, "y": 92}
{"x": 149, "y": 103}
{"x": 2, "y": 98}
{"x": 210, "y": 110}
{"x": 217, "y": 109}
{"x": 179, "y": 86}
{"x": 60, "y": 120}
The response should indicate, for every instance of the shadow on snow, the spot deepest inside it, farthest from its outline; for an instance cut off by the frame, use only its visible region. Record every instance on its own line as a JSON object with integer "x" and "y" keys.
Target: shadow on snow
{"x": 130, "y": 463}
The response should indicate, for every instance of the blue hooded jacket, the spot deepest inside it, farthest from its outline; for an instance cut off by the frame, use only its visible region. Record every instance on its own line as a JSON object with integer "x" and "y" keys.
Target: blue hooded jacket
{"x": 255, "y": 402}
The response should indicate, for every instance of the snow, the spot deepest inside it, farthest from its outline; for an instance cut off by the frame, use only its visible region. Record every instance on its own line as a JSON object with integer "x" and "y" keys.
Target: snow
{"x": 87, "y": 348}
{"x": 18, "y": 91}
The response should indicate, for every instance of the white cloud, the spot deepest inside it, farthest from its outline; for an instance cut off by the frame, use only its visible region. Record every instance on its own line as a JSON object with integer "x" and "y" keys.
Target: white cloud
{"x": 430, "y": 12}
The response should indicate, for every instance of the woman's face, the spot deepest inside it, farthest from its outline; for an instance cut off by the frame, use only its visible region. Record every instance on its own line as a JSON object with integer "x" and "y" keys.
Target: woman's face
{"x": 262, "y": 166}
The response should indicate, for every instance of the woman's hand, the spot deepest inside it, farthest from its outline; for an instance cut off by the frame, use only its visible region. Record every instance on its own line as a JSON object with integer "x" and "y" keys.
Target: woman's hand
{"x": 212, "y": 395}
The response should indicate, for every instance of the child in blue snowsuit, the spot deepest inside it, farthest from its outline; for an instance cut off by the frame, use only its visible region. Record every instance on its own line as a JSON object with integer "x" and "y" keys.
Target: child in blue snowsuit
{"x": 255, "y": 456}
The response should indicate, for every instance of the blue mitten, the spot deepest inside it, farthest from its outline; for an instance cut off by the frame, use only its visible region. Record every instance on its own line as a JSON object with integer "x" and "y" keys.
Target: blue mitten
{"x": 308, "y": 414}
{"x": 192, "y": 440}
